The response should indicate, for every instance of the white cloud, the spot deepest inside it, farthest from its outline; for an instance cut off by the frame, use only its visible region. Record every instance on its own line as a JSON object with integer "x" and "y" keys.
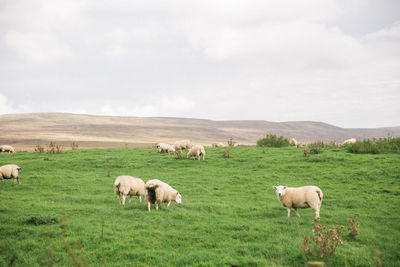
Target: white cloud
{"x": 5, "y": 105}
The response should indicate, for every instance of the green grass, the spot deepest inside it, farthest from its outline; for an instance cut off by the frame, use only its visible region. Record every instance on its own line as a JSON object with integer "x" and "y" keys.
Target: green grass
{"x": 229, "y": 215}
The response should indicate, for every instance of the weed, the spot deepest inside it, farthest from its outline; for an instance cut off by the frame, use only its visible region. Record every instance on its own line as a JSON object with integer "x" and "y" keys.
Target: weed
{"x": 39, "y": 149}
{"x": 226, "y": 153}
{"x": 353, "y": 231}
{"x": 325, "y": 240}
{"x": 74, "y": 145}
{"x": 315, "y": 150}
{"x": 231, "y": 142}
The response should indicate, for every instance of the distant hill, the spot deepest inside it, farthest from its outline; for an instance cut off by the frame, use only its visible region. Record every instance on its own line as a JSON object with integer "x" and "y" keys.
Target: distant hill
{"x": 24, "y": 131}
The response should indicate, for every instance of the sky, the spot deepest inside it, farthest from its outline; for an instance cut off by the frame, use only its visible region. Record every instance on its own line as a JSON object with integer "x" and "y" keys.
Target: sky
{"x": 334, "y": 61}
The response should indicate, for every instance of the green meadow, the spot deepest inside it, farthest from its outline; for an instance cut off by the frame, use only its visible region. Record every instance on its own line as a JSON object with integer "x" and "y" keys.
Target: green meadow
{"x": 229, "y": 214}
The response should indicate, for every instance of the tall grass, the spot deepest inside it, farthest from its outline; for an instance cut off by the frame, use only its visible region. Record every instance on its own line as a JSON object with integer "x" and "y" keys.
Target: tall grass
{"x": 376, "y": 146}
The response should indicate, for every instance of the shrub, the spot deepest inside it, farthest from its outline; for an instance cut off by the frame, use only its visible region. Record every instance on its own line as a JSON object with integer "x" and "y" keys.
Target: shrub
{"x": 53, "y": 148}
{"x": 38, "y": 220}
{"x": 315, "y": 150}
{"x": 376, "y": 146}
{"x": 317, "y": 144}
{"x": 226, "y": 153}
{"x": 39, "y": 149}
{"x": 271, "y": 140}
{"x": 74, "y": 145}
{"x": 231, "y": 142}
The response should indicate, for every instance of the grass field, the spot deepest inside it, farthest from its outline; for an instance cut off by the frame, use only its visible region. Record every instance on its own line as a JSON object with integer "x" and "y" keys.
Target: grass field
{"x": 229, "y": 215}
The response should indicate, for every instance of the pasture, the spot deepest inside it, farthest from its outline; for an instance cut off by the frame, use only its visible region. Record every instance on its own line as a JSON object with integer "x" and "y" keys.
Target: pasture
{"x": 229, "y": 215}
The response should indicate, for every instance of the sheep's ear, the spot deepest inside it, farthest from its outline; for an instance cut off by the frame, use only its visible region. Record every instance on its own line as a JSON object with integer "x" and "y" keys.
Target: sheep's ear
{"x": 285, "y": 187}
{"x": 177, "y": 193}
{"x": 274, "y": 187}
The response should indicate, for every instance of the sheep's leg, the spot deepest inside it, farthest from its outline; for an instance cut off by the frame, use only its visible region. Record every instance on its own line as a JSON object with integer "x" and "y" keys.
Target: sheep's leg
{"x": 1, "y": 177}
{"x": 19, "y": 182}
{"x": 130, "y": 199}
{"x": 288, "y": 212}
{"x": 169, "y": 203}
{"x": 140, "y": 198}
{"x": 156, "y": 206}
{"x": 297, "y": 213}
{"x": 118, "y": 198}
{"x": 123, "y": 199}
{"x": 148, "y": 206}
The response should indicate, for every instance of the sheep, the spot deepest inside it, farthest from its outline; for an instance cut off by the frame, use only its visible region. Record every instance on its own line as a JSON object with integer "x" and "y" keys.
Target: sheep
{"x": 128, "y": 185}
{"x": 293, "y": 142}
{"x": 300, "y": 197}
{"x": 218, "y": 144}
{"x": 165, "y": 148}
{"x": 157, "y": 192}
{"x": 349, "y": 141}
{"x": 10, "y": 171}
{"x": 196, "y": 151}
{"x": 182, "y": 144}
{"x": 7, "y": 148}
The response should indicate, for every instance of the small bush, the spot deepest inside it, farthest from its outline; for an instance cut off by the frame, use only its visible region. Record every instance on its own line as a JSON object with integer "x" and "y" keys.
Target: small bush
{"x": 54, "y": 148}
{"x": 74, "y": 145}
{"x": 271, "y": 140}
{"x": 315, "y": 150}
{"x": 231, "y": 142}
{"x": 38, "y": 220}
{"x": 317, "y": 144}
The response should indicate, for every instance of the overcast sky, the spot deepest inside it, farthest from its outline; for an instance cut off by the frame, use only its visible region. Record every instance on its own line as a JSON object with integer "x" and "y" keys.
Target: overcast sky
{"x": 331, "y": 61}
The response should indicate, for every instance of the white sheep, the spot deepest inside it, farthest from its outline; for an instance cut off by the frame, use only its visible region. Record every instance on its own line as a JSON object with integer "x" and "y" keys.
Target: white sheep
{"x": 300, "y": 197}
{"x": 128, "y": 185}
{"x": 10, "y": 171}
{"x": 349, "y": 141}
{"x": 162, "y": 147}
{"x": 182, "y": 144}
{"x": 196, "y": 151}
{"x": 293, "y": 142}
{"x": 157, "y": 192}
{"x": 218, "y": 144}
{"x": 7, "y": 148}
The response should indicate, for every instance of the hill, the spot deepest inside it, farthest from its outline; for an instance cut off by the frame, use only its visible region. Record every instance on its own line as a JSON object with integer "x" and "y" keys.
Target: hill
{"x": 24, "y": 131}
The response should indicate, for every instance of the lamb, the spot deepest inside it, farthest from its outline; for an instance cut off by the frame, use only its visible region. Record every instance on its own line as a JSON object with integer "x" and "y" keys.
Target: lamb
{"x": 182, "y": 144}
{"x": 293, "y": 142}
{"x": 218, "y": 144}
{"x": 300, "y": 197}
{"x": 196, "y": 151}
{"x": 128, "y": 185}
{"x": 7, "y": 148}
{"x": 157, "y": 192}
{"x": 349, "y": 141}
{"x": 165, "y": 148}
{"x": 10, "y": 171}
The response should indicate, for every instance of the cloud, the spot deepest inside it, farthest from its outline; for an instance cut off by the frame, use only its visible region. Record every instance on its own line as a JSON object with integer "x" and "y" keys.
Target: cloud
{"x": 5, "y": 105}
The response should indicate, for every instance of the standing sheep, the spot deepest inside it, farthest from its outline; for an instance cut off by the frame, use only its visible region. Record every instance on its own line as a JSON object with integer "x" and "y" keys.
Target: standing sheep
{"x": 157, "y": 192}
{"x": 300, "y": 197}
{"x": 293, "y": 142}
{"x": 128, "y": 185}
{"x": 165, "y": 148}
{"x": 196, "y": 151}
{"x": 182, "y": 144}
{"x": 7, "y": 148}
{"x": 10, "y": 171}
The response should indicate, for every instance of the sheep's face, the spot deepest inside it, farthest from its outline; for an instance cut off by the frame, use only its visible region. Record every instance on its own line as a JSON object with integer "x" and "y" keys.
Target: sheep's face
{"x": 279, "y": 190}
{"x": 178, "y": 198}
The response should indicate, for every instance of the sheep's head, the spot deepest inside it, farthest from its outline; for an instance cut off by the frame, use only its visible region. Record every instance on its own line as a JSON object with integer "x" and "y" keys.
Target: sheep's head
{"x": 178, "y": 198}
{"x": 279, "y": 190}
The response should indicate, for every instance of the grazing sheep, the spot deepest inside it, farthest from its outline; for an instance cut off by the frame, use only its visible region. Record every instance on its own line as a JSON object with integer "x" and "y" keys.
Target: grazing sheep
{"x": 182, "y": 144}
{"x": 196, "y": 151}
{"x": 157, "y": 192}
{"x": 293, "y": 142}
{"x": 349, "y": 141}
{"x": 218, "y": 144}
{"x": 10, "y": 171}
{"x": 128, "y": 185}
{"x": 165, "y": 148}
{"x": 300, "y": 197}
{"x": 7, "y": 148}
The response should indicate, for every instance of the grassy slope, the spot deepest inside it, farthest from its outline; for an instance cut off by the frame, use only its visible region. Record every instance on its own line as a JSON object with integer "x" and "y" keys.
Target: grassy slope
{"x": 229, "y": 215}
